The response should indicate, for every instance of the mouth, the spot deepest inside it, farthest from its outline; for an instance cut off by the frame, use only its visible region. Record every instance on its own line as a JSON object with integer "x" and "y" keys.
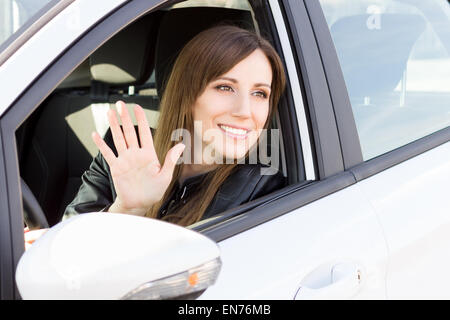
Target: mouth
{"x": 234, "y": 132}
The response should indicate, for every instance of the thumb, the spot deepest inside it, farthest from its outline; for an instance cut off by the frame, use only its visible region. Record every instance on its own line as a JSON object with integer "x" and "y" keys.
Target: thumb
{"x": 171, "y": 160}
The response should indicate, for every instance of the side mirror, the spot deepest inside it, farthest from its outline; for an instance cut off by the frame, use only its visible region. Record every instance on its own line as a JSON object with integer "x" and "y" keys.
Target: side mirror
{"x": 117, "y": 256}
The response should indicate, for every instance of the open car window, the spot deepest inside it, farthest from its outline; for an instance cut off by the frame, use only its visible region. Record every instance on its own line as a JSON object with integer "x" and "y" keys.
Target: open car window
{"x": 55, "y": 145}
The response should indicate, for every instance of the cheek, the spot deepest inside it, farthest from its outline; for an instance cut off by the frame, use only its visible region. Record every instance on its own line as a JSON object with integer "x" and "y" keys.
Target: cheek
{"x": 260, "y": 114}
{"x": 209, "y": 108}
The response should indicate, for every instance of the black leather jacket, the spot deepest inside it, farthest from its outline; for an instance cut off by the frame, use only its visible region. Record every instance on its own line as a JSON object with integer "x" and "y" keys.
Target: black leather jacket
{"x": 245, "y": 183}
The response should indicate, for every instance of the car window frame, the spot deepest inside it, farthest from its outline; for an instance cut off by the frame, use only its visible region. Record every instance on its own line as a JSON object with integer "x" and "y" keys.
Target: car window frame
{"x": 342, "y": 108}
{"x": 317, "y": 94}
{"x": 7, "y": 282}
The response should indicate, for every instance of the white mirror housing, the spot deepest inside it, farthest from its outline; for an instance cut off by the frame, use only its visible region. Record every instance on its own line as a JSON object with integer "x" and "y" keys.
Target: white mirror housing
{"x": 117, "y": 256}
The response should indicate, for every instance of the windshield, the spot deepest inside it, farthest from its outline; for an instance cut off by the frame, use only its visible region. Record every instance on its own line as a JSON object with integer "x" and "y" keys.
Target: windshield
{"x": 16, "y": 14}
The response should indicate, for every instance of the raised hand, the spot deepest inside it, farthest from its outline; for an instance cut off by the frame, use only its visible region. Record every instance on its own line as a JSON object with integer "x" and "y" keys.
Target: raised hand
{"x": 139, "y": 179}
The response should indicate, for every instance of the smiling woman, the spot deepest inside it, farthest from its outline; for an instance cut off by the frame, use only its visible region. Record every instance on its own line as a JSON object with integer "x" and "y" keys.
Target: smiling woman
{"x": 223, "y": 90}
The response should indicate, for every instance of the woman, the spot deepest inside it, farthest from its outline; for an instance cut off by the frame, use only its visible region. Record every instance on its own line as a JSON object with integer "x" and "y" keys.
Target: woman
{"x": 226, "y": 81}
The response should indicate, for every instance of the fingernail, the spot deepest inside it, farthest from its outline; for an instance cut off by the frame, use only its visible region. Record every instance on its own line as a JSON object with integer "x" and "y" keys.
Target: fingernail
{"x": 119, "y": 106}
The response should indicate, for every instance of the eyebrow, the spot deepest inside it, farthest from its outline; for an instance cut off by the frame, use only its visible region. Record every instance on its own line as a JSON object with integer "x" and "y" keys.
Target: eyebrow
{"x": 235, "y": 81}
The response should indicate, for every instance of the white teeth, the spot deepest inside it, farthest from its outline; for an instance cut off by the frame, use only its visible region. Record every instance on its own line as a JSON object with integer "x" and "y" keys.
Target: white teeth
{"x": 234, "y": 130}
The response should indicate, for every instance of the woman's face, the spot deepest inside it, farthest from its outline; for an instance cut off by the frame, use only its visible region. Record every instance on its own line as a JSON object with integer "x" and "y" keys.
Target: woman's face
{"x": 232, "y": 110}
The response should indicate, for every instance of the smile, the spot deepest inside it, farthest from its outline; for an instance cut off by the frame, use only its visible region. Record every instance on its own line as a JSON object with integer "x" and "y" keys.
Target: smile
{"x": 234, "y": 132}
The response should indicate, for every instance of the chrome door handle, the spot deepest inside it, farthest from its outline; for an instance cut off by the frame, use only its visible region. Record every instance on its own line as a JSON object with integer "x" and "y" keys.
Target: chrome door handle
{"x": 338, "y": 281}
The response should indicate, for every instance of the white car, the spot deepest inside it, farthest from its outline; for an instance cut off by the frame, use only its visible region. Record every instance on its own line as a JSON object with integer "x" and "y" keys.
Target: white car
{"x": 365, "y": 131}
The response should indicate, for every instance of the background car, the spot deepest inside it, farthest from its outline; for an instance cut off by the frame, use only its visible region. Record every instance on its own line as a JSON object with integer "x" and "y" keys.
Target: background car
{"x": 364, "y": 133}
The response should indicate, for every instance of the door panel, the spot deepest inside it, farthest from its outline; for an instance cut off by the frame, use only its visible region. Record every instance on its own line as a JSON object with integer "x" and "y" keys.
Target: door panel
{"x": 271, "y": 261}
{"x": 413, "y": 203}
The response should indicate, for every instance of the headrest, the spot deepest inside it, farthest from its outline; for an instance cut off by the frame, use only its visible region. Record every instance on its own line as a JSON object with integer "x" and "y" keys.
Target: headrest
{"x": 180, "y": 25}
{"x": 373, "y": 59}
{"x": 128, "y": 57}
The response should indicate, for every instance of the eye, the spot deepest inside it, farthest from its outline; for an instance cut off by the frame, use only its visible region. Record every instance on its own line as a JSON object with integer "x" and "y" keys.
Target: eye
{"x": 223, "y": 87}
{"x": 261, "y": 94}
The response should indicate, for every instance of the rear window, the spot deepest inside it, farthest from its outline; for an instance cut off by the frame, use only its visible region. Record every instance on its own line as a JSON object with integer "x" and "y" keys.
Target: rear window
{"x": 395, "y": 57}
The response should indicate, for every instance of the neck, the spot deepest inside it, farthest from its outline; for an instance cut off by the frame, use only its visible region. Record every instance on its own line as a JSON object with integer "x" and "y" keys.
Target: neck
{"x": 193, "y": 169}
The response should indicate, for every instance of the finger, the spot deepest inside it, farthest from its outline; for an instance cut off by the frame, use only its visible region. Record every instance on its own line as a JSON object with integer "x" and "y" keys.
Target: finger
{"x": 145, "y": 135}
{"x": 105, "y": 150}
{"x": 171, "y": 160}
{"x": 117, "y": 134}
{"x": 127, "y": 124}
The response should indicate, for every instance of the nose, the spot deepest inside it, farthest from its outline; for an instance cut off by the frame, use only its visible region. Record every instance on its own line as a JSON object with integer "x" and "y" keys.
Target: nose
{"x": 242, "y": 108}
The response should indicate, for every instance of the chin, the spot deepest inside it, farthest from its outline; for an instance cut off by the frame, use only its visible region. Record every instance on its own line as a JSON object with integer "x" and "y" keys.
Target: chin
{"x": 228, "y": 153}
{"x": 233, "y": 156}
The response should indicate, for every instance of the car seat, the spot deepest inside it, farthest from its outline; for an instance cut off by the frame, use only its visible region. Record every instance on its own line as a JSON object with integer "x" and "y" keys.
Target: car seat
{"x": 55, "y": 144}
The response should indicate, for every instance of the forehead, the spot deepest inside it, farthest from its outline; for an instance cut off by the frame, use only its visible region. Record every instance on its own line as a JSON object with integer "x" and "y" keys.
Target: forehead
{"x": 255, "y": 67}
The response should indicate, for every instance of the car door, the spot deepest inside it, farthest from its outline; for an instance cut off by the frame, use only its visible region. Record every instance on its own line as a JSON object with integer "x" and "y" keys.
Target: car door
{"x": 319, "y": 238}
{"x": 322, "y": 239}
{"x": 397, "y": 78}
{"x": 390, "y": 220}
{"x": 332, "y": 248}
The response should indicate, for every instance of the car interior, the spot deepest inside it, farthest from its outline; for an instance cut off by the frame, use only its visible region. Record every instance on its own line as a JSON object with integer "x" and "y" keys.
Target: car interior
{"x": 55, "y": 145}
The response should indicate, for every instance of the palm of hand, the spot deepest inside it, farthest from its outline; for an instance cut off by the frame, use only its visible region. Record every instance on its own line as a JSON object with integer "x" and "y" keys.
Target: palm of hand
{"x": 139, "y": 179}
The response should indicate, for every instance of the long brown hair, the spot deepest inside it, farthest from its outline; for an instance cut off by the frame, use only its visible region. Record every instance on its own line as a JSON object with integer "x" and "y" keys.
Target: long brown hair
{"x": 207, "y": 56}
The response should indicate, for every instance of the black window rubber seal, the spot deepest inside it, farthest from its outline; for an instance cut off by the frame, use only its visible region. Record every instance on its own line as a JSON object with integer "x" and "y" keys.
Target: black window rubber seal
{"x": 343, "y": 112}
{"x": 324, "y": 131}
{"x": 401, "y": 154}
{"x": 6, "y": 254}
